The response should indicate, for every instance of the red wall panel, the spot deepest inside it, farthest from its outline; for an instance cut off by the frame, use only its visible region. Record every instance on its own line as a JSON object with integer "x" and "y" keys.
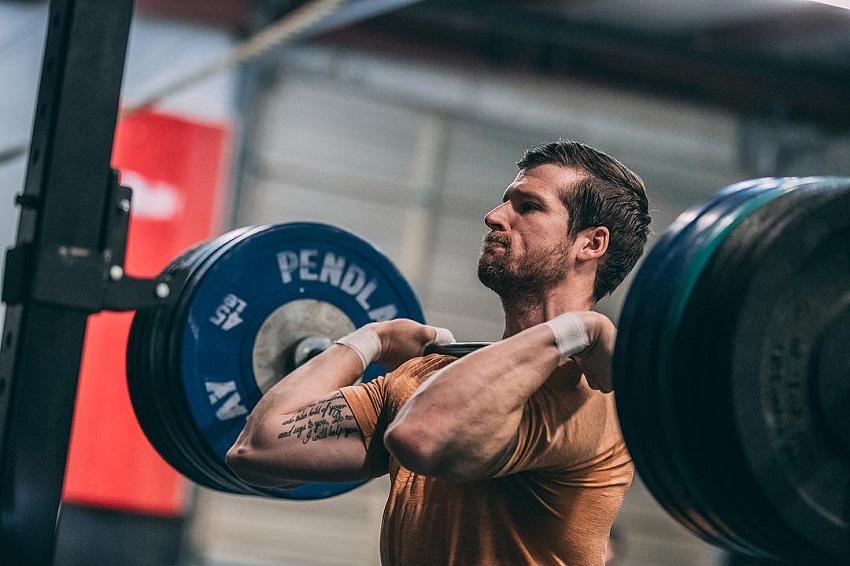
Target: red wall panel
{"x": 177, "y": 170}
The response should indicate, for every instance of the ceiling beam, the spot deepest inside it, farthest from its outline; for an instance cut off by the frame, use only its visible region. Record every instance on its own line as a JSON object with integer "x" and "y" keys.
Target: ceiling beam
{"x": 228, "y": 14}
{"x": 744, "y": 81}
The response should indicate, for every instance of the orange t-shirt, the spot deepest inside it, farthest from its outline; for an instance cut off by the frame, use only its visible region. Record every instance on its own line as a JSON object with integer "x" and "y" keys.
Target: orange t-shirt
{"x": 553, "y": 502}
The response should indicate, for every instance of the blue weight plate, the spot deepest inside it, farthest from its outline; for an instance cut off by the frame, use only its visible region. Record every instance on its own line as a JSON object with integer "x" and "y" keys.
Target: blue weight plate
{"x": 155, "y": 381}
{"x": 180, "y": 427}
{"x": 184, "y": 436}
{"x": 249, "y": 282}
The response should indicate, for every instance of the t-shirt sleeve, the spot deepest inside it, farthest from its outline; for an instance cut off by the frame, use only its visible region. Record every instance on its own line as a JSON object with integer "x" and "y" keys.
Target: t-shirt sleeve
{"x": 366, "y": 401}
{"x": 567, "y": 433}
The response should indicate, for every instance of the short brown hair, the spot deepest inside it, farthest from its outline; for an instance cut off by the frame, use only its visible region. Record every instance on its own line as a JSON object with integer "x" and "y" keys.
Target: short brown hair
{"x": 610, "y": 195}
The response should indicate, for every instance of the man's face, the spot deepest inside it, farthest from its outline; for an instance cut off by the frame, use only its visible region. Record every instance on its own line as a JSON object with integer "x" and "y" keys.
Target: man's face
{"x": 527, "y": 250}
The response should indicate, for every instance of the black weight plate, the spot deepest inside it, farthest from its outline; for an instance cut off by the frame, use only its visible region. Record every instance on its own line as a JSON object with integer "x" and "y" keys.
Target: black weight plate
{"x": 702, "y": 368}
{"x": 639, "y": 396}
{"x": 666, "y": 275}
{"x": 701, "y": 409}
{"x": 633, "y": 375}
{"x": 677, "y": 283}
{"x": 789, "y": 264}
{"x": 152, "y": 400}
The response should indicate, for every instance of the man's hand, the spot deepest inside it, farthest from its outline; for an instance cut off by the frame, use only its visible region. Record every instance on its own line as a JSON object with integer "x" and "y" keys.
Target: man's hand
{"x": 393, "y": 342}
{"x": 403, "y": 339}
{"x": 588, "y": 338}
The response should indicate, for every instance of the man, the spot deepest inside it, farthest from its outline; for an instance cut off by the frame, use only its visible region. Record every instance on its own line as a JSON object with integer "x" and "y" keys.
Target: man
{"x": 512, "y": 454}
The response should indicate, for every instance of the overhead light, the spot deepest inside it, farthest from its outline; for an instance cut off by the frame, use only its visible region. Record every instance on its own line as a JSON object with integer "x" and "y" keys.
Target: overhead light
{"x": 837, "y": 3}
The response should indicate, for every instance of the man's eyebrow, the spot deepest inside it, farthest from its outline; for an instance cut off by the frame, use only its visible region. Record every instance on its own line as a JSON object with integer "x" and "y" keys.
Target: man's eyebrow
{"x": 519, "y": 191}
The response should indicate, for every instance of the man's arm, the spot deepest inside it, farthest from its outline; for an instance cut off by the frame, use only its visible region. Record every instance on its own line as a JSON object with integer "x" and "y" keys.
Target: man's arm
{"x": 303, "y": 429}
{"x": 462, "y": 423}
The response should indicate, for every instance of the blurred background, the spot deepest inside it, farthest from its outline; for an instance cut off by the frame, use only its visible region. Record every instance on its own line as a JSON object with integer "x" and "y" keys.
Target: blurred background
{"x": 402, "y": 121}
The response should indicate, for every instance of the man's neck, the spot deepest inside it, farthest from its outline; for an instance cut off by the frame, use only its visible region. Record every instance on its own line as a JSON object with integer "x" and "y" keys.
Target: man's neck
{"x": 529, "y": 311}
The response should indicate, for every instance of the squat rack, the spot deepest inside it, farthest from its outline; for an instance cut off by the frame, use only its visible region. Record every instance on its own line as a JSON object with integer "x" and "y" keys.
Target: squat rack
{"x": 67, "y": 263}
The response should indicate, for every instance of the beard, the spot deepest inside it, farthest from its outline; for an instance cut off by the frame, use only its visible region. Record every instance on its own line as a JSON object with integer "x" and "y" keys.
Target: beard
{"x": 525, "y": 279}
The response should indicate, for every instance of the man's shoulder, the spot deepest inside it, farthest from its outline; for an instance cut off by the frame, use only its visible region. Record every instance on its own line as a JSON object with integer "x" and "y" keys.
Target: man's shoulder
{"x": 422, "y": 367}
{"x": 402, "y": 382}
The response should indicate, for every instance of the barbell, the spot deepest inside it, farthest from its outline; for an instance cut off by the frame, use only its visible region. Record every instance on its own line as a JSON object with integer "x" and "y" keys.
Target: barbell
{"x": 732, "y": 362}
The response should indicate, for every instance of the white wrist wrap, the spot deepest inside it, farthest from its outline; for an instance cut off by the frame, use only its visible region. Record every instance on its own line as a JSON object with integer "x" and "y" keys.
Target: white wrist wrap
{"x": 444, "y": 336}
{"x": 365, "y": 343}
{"x": 570, "y": 334}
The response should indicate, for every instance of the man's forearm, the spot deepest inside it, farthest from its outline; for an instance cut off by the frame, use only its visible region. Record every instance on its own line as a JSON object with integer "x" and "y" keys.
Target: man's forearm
{"x": 490, "y": 383}
{"x": 283, "y": 441}
{"x": 336, "y": 367}
{"x": 474, "y": 405}
{"x": 303, "y": 428}
{"x": 389, "y": 342}
{"x": 514, "y": 368}
{"x": 461, "y": 421}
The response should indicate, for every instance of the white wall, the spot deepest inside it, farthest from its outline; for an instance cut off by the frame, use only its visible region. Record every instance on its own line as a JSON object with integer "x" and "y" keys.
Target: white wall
{"x": 22, "y": 28}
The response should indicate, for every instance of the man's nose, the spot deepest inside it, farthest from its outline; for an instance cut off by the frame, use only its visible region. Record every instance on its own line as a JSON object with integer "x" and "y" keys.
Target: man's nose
{"x": 496, "y": 219}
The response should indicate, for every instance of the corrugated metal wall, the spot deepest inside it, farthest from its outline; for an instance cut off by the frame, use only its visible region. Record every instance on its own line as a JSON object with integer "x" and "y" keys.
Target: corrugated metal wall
{"x": 414, "y": 171}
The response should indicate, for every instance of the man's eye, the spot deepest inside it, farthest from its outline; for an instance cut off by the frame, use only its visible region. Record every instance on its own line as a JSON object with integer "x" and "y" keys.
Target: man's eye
{"x": 529, "y": 206}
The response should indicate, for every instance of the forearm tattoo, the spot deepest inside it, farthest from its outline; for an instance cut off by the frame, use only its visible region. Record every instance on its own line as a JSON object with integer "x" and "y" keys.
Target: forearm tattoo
{"x": 326, "y": 418}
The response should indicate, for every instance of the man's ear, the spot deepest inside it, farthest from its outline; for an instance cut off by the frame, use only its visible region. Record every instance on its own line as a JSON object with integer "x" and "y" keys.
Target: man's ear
{"x": 593, "y": 242}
